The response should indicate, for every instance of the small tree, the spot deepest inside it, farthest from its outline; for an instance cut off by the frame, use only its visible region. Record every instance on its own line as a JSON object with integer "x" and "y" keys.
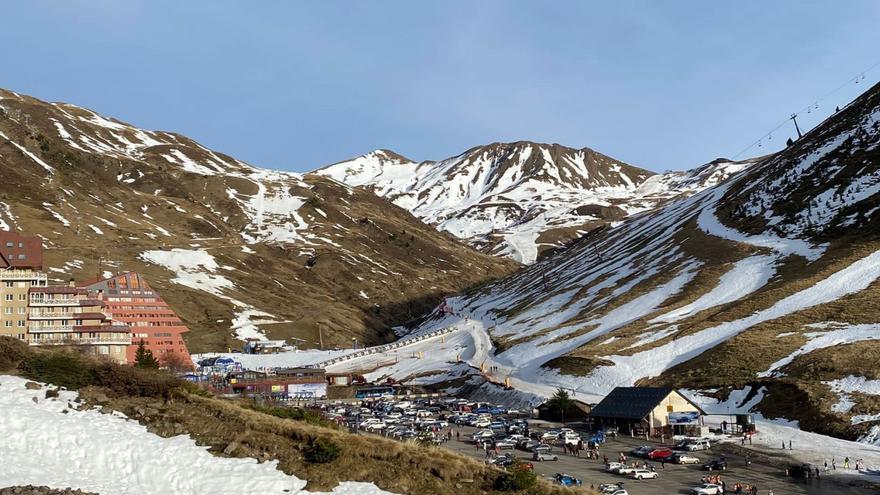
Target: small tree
{"x": 560, "y": 402}
{"x": 175, "y": 363}
{"x": 143, "y": 357}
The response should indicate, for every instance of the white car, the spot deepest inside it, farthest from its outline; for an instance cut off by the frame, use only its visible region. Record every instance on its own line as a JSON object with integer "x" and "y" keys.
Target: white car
{"x": 478, "y": 435}
{"x": 482, "y": 423}
{"x": 698, "y": 445}
{"x": 707, "y": 489}
{"x": 685, "y": 459}
{"x": 643, "y": 474}
{"x": 369, "y": 421}
{"x": 550, "y": 435}
{"x": 624, "y": 470}
{"x": 376, "y": 426}
{"x": 612, "y": 467}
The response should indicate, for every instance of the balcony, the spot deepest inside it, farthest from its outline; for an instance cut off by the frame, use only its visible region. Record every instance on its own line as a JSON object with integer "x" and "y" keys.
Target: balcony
{"x": 80, "y": 341}
{"x": 22, "y": 275}
{"x": 42, "y": 302}
{"x": 50, "y": 328}
{"x": 52, "y": 316}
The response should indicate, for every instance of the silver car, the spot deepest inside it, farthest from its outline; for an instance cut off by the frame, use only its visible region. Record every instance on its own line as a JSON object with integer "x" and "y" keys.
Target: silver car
{"x": 544, "y": 456}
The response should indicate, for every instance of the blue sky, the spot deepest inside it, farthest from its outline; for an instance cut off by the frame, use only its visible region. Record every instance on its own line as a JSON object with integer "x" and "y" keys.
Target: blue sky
{"x": 297, "y": 85}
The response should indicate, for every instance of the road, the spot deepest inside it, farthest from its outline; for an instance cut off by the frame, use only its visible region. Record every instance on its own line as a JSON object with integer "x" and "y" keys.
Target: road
{"x": 674, "y": 479}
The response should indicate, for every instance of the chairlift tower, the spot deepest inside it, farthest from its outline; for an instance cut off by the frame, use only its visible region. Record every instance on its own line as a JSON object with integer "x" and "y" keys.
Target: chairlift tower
{"x": 798, "y": 129}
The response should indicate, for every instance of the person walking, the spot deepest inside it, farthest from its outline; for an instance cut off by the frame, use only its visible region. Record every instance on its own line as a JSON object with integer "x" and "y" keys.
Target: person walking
{"x": 846, "y": 463}
{"x": 833, "y": 464}
{"x": 789, "y": 445}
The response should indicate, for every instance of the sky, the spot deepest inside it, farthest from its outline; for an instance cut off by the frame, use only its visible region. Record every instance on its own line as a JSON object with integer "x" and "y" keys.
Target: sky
{"x": 299, "y": 85}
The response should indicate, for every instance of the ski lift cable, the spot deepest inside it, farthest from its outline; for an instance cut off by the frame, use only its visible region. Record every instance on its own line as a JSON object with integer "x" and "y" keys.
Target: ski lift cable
{"x": 814, "y": 105}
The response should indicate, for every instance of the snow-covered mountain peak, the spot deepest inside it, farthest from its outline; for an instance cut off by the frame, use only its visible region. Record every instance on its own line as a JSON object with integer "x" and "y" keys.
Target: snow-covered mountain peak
{"x": 520, "y": 198}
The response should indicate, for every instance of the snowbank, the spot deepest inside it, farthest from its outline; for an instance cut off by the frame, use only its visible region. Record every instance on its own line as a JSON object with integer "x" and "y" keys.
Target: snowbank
{"x": 47, "y": 442}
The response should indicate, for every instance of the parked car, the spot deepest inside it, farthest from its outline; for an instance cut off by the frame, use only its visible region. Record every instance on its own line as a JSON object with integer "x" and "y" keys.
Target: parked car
{"x": 707, "y": 489}
{"x": 504, "y": 444}
{"x": 660, "y": 453}
{"x": 643, "y": 474}
{"x": 715, "y": 465}
{"x": 567, "y": 480}
{"x": 698, "y": 445}
{"x": 612, "y": 467}
{"x": 503, "y": 461}
{"x": 641, "y": 451}
{"x": 482, "y": 423}
{"x": 612, "y": 489}
{"x": 624, "y": 470}
{"x": 544, "y": 456}
{"x": 550, "y": 435}
{"x": 541, "y": 448}
{"x": 685, "y": 459}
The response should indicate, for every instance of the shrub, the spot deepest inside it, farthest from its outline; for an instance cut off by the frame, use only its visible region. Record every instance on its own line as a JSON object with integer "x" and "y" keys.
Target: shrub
{"x": 518, "y": 478}
{"x": 296, "y": 414}
{"x": 12, "y": 352}
{"x": 65, "y": 369}
{"x": 75, "y": 371}
{"x": 321, "y": 451}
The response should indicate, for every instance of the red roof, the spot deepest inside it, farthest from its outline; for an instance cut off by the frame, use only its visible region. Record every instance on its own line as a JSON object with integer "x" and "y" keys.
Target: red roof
{"x": 20, "y": 251}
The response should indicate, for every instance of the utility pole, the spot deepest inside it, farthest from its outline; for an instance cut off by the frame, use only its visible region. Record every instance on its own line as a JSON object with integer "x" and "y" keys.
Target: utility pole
{"x": 798, "y": 129}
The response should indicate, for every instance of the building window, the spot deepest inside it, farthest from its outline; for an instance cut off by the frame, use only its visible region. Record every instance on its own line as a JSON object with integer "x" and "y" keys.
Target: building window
{"x": 10, "y": 283}
{"x": 21, "y": 323}
{"x": 21, "y": 256}
{"x": 22, "y": 297}
{"x": 7, "y": 310}
{"x": 9, "y": 244}
{"x": 9, "y": 297}
{"x": 22, "y": 310}
{"x": 7, "y": 323}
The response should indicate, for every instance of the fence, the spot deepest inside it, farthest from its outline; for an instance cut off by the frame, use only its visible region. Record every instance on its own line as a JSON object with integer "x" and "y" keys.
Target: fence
{"x": 384, "y": 348}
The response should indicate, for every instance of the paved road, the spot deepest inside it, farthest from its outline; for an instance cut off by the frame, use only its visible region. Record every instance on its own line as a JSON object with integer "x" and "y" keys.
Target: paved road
{"x": 674, "y": 479}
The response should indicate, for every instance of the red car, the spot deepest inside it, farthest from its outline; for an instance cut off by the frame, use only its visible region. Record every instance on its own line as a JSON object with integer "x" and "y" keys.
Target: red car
{"x": 660, "y": 454}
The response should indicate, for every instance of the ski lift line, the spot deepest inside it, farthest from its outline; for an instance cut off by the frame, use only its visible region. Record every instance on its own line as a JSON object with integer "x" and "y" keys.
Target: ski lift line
{"x": 812, "y": 106}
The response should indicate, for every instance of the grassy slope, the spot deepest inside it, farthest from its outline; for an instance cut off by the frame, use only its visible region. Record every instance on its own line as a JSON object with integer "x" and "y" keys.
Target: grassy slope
{"x": 363, "y": 243}
{"x": 170, "y": 407}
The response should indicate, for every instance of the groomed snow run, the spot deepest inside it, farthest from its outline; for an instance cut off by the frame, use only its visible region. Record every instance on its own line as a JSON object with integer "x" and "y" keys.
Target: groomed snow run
{"x": 48, "y": 442}
{"x": 626, "y": 370}
{"x": 841, "y": 334}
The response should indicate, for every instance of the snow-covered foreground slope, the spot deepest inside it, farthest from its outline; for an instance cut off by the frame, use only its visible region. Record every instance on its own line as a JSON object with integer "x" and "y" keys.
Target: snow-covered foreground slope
{"x": 517, "y": 199}
{"x": 49, "y": 442}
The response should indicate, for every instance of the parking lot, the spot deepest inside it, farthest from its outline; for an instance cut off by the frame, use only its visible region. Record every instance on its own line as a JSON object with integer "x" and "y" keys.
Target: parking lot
{"x": 429, "y": 421}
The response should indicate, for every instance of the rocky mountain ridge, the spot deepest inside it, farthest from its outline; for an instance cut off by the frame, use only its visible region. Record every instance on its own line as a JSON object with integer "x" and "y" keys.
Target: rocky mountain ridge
{"x": 239, "y": 251}
{"x": 523, "y": 198}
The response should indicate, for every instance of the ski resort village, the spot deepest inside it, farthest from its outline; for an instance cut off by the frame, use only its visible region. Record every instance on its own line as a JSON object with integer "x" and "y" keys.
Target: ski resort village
{"x": 518, "y": 316}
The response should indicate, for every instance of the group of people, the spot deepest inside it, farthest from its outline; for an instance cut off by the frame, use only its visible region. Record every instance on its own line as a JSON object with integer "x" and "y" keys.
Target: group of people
{"x": 746, "y": 489}
{"x": 859, "y": 464}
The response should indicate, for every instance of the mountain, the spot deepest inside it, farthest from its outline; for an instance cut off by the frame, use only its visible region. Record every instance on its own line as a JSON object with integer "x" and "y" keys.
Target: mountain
{"x": 758, "y": 294}
{"x": 521, "y": 199}
{"x": 239, "y": 251}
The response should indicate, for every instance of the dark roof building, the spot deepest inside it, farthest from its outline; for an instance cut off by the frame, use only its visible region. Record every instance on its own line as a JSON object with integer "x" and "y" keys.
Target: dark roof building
{"x": 649, "y": 408}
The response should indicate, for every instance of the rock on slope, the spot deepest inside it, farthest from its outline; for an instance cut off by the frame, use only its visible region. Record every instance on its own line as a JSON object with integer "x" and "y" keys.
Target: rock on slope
{"x": 765, "y": 284}
{"x": 520, "y": 199}
{"x": 237, "y": 250}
